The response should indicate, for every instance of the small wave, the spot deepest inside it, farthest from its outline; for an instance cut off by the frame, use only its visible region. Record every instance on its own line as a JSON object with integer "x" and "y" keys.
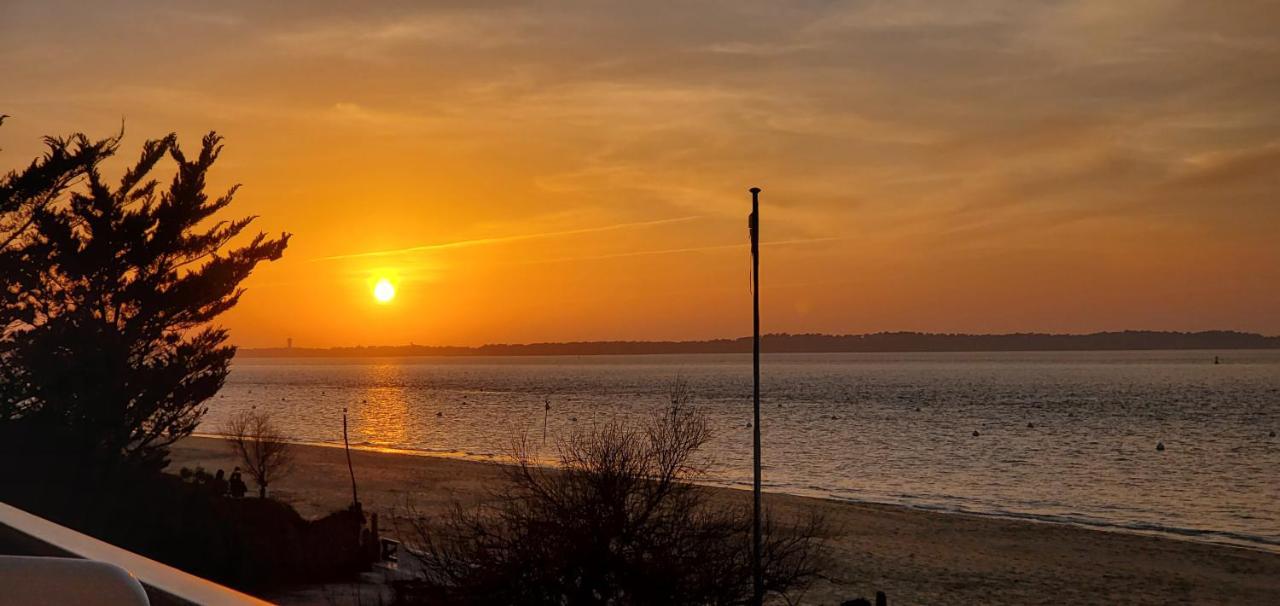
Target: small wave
{"x": 1202, "y": 535}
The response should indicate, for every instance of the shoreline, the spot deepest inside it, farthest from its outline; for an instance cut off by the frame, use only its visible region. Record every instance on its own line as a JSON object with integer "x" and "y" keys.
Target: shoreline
{"x": 1191, "y": 535}
{"x": 916, "y": 555}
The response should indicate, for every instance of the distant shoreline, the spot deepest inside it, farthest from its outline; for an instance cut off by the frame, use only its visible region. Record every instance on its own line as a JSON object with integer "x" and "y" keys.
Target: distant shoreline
{"x": 897, "y": 342}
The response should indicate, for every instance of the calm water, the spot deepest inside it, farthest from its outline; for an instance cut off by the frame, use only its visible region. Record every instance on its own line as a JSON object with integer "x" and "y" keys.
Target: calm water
{"x": 894, "y": 428}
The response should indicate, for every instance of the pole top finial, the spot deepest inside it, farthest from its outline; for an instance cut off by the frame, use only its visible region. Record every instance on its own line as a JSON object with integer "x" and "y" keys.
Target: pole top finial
{"x": 754, "y": 190}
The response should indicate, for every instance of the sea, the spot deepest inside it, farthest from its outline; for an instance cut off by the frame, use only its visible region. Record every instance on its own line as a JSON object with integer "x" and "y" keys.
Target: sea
{"x": 1160, "y": 442}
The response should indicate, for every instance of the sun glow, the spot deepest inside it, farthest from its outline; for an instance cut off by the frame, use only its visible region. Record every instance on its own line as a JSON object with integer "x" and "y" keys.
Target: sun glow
{"x": 384, "y": 291}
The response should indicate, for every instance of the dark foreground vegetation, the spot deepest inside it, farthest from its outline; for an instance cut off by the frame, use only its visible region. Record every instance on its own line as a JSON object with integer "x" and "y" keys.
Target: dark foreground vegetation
{"x": 616, "y": 521}
{"x": 247, "y": 543}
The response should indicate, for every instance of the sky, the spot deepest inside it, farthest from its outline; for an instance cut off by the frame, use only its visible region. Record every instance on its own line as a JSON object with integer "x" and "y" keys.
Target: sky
{"x": 530, "y": 171}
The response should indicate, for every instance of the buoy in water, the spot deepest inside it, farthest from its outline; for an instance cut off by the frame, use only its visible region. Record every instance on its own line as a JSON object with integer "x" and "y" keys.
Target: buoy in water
{"x": 1273, "y": 433}
{"x": 1031, "y": 425}
{"x": 440, "y": 413}
{"x": 976, "y": 434}
{"x": 1160, "y": 446}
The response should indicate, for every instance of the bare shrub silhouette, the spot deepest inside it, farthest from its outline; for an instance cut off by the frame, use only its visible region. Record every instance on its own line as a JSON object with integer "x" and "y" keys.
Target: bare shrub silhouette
{"x": 262, "y": 449}
{"x": 615, "y": 521}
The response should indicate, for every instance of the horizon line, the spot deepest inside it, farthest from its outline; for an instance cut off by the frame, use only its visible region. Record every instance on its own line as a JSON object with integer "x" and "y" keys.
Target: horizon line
{"x": 411, "y": 345}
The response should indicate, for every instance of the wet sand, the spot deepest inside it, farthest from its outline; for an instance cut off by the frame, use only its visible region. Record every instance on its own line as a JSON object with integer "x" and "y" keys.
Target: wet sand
{"x": 916, "y": 557}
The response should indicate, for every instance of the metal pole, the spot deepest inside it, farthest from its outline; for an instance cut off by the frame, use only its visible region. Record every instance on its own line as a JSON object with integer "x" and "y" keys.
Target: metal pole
{"x": 757, "y": 575}
{"x": 355, "y": 498}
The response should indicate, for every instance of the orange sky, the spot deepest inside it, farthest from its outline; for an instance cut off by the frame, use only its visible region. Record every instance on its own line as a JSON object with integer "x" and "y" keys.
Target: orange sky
{"x": 579, "y": 172}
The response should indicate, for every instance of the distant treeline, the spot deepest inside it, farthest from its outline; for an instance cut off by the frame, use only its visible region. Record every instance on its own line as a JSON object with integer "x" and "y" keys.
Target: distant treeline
{"x": 816, "y": 343}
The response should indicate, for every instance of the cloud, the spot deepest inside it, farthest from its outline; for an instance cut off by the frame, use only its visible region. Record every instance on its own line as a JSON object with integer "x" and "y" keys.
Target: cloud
{"x": 680, "y": 250}
{"x": 1227, "y": 168}
{"x": 506, "y": 239}
{"x": 919, "y": 15}
{"x": 381, "y": 37}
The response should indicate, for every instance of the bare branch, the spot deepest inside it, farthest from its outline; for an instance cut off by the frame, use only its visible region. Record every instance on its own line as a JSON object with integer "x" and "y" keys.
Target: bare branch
{"x": 262, "y": 449}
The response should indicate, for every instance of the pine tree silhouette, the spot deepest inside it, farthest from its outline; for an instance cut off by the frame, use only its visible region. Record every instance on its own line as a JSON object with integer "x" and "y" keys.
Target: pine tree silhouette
{"x": 110, "y": 294}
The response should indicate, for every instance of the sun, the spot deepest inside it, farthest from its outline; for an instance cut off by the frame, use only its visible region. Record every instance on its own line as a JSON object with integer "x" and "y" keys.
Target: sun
{"x": 384, "y": 291}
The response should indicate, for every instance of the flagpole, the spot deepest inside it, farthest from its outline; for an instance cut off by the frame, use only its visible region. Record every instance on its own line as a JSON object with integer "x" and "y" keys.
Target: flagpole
{"x": 757, "y": 575}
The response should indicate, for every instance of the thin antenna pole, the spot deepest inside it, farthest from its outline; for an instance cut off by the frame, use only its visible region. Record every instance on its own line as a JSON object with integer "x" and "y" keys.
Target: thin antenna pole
{"x": 355, "y": 497}
{"x": 757, "y": 574}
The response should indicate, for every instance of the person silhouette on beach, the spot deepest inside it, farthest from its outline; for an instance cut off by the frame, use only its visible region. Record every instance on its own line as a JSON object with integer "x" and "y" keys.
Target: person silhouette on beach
{"x": 238, "y": 487}
{"x": 219, "y": 484}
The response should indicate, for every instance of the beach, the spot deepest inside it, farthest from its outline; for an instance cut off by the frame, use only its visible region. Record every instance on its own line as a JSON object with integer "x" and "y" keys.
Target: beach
{"x": 915, "y": 556}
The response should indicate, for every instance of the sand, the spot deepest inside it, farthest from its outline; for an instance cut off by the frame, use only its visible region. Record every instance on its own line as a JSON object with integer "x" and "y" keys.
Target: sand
{"x": 916, "y": 557}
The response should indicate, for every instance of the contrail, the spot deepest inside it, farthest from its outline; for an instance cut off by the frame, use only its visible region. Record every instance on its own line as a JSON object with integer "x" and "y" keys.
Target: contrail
{"x": 670, "y": 251}
{"x": 503, "y": 239}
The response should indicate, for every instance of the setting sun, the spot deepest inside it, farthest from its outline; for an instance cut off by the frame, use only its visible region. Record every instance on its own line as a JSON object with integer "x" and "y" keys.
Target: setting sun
{"x": 384, "y": 291}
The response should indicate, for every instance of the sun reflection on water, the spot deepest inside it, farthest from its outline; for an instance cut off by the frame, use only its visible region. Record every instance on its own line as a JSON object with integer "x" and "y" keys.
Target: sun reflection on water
{"x": 382, "y": 416}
